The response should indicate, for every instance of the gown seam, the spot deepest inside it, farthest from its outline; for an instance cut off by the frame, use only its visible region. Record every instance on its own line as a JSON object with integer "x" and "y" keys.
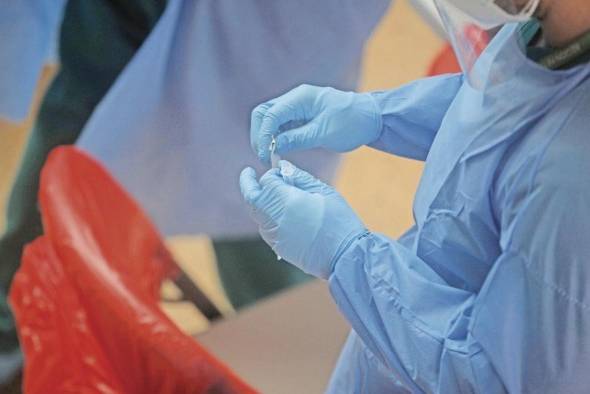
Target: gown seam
{"x": 551, "y": 286}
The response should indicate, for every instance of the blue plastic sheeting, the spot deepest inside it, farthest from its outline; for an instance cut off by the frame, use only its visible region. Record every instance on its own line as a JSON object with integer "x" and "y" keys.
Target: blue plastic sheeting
{"x": 29, "y": 31}
{"x": 174, "y": 127}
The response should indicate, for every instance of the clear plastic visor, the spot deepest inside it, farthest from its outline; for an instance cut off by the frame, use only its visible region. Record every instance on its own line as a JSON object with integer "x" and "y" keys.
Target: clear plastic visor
{"x": 472, "y": 24}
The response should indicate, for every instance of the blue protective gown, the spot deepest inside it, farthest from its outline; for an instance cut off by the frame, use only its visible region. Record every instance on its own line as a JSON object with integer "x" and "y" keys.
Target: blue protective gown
{"x": 489, "y": 292}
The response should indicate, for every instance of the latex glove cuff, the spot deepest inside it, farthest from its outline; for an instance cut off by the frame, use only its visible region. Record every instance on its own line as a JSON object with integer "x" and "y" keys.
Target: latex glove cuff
{"x": 344, "y": 246}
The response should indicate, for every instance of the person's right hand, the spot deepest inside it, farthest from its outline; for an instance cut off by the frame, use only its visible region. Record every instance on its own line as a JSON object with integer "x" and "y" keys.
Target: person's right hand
{"x": 314, "y": 117}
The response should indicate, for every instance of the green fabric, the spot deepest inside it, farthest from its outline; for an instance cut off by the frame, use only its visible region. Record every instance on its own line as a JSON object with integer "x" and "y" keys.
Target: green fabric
{"x": 575, "y": 54}
{"x": 249, "y": 271}
{"x": 529, "y": 31}
{"x": 97, "y": 39}
{"x": 582, "y": 59}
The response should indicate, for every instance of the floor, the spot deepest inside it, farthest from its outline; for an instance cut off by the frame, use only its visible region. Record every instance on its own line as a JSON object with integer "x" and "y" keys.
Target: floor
{"x": 378, "y": 186}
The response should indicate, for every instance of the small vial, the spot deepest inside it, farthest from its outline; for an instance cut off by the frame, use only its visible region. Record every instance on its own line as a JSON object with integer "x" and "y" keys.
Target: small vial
{"x": 287, "y": 171}
{"x": 274, "y": 161}
{"x": 274, "y": 158}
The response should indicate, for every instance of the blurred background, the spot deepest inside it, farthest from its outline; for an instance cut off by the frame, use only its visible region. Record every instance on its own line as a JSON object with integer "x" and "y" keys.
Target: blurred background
{"x": 379, "y": 187}
{"x": 298, "y": 344}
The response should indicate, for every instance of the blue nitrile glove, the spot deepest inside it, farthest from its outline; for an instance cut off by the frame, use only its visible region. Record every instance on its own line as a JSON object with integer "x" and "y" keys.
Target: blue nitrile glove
{"x": 305, "y": 221}
{"x": 315, "y": 117}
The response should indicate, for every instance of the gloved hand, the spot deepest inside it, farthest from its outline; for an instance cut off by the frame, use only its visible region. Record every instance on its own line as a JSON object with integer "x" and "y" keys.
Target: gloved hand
{"x": 304, "y": 220}
{"x": 313, "y": 117}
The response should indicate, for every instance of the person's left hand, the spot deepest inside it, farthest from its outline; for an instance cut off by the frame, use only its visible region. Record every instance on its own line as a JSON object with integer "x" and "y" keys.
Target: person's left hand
{"x": 305, "y": 221}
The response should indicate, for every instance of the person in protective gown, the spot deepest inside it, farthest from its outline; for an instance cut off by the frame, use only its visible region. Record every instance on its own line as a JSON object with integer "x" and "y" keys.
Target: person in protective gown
{"x": 489, "y": 291}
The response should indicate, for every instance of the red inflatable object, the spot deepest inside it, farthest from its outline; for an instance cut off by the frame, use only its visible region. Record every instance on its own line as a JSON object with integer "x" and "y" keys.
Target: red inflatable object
{"x": 86, "y": 296}
{"x": 445, "y": 62}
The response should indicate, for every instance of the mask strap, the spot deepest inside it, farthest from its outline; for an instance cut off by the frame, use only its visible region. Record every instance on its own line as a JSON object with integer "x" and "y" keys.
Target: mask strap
{"x": 531, "y": 7}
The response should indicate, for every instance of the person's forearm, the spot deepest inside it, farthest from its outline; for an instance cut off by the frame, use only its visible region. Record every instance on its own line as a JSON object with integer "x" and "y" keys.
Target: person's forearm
{"x": 410, "y": 318}
{"x": 412, "y": 114}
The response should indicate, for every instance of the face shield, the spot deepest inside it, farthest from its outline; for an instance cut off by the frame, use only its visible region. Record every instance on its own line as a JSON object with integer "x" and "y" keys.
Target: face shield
{"x": 472, "y": 24}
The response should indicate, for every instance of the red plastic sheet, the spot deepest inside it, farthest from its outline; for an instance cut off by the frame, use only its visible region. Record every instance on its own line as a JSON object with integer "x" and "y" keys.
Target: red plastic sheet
{"x": 86, "y": 295}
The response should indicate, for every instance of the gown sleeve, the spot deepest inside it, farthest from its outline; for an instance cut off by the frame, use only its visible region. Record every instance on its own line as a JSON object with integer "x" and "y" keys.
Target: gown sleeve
{"x": 412, "y": 114}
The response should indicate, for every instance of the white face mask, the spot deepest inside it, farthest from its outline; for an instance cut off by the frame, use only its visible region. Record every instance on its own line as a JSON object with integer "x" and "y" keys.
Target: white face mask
{"x": 488, "y": 14}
